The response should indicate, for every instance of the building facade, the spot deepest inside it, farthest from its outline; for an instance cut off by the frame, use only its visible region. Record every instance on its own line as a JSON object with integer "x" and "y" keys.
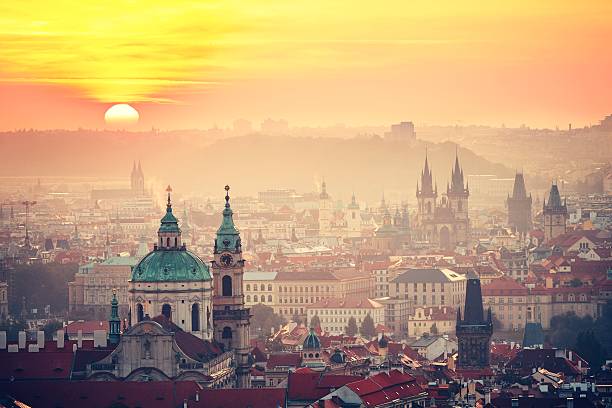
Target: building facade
{"x": 555, "y": 215}
{"x": 334, "y": 313}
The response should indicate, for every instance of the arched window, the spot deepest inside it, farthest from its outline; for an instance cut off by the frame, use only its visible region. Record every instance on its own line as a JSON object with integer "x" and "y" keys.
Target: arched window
{"x": 255, "y": 298}
{"x": 227, "y": 333}
{"x": 248, "y": 298}
{"x": 226, "y": 284}
{"x": 263, "y": 299}
{"x": 167, "y": 311}
{"x": 269, "y": 298}
{"x": 139, "y": 313}
{"x": 248, "y": 287}
{"x": 269, "y": 288}
{"x": 168, "y": 242}
{"x": 175, "y": 241}
{"x": 263, "y": 287}
{"x": 195, "y": 317}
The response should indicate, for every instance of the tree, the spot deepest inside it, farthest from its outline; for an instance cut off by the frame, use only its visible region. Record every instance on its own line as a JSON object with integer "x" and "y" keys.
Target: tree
{"x": 588, "y": 347}
{"x": 264, "y": 320}
{"x": 12, "y": 328}
{"x": 315, "y": 322}
{"x": 296, "y": 318}
{"x": 51, "y": 327}
{"x": 351, "y": 329}
{"x": 434, "y": 329}
{"x": 367, "y": 327}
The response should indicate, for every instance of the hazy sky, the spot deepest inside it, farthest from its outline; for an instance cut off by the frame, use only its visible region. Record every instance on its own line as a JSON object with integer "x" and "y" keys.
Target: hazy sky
{"x": 187, "y": 64}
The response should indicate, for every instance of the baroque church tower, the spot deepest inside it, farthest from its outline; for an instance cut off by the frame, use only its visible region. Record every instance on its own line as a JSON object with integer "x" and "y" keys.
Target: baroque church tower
{"x": 519, "y": 206}
{"x": 325, "y": 211}
{"x": 230, "y": 316}
{"x": 555, "y": 215}
{"x": 473, "y": 330}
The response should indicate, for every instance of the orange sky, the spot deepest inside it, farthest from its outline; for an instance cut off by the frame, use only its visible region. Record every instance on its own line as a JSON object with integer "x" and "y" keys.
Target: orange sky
{"x": 192, "y": 64}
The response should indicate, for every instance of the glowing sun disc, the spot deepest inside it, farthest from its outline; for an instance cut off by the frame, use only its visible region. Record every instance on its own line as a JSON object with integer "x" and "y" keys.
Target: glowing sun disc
{"x": 121, "y": 114}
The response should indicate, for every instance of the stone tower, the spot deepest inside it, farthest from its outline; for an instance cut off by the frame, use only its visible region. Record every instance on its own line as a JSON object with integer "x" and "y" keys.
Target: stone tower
{"x": 231, "y": 318}
{"x": 325, "y": 211}
{"x": 473, "y": 330}
{"x": 519, "y": 206}
{"x": 426, "y": 195}
{"x": 137, "y": 180}
{"x": 353, "y": 219}
{"x": 458, "y": 194}
{"x": 555, "y": 215}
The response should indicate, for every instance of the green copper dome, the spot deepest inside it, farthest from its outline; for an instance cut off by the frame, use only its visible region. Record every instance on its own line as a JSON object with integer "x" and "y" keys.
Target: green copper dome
{"x": 228, "y": 236}
{"x": 311, "y": 342}
{"x": 170, "y": 266}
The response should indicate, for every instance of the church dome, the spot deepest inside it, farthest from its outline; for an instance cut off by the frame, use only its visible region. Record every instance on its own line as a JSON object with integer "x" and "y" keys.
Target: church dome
{"x": 170, "y": 266}
{"x": 383, "y": 341}
{"x": 170, "y": 261}
{"x": 311, "y": 342}
{"x": 338, "y": 357}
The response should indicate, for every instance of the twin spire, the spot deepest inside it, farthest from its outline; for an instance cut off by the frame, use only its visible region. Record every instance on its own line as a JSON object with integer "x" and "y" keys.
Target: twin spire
{"x": 427, "y": 186}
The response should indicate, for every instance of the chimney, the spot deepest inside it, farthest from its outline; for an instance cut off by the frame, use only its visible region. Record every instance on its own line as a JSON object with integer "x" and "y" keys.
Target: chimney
{"x": 197, "y": 397}
{"x": 32, "y": 348}
{"x": 22, "y": 340}
{"x": 570, "y": 355}
{"x": 13, "y": 348}
{"x": 514, "y": 403}
{"x": 40, "y": 339}
{"x": 570, "y": 402}
{"x": 99, "y": 338}
{"x": 185, "y": 403}
{"x": 60, "y": 339}
{"x": 74, "y": 348}
{"x": 2, "y": 340}
{"x": 80, "y": 338}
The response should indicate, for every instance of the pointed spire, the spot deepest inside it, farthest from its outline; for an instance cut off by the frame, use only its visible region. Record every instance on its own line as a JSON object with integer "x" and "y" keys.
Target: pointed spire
{"x": 169, "y": 205}
{"x": 139, "y": 167}
{"x": 228, "y": 237}
{"x": 114, "y": 322}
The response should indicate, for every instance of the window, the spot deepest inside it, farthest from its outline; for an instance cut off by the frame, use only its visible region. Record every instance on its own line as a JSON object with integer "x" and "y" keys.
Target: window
{"x": 269, "y": 298}
{"x": 255, "y": 298}
{"x": 262, "y": 287}
{"x": 195, "y": 317}
{"x": 167, "y": 311}
{"x": 226, "y": 284}
{"x": 227, "y": 333}
{"x": 139, "y": 312}
{"x": 248, "y": 287}
{"x": 269, "y": 288}
{"x": 248, "y": 298}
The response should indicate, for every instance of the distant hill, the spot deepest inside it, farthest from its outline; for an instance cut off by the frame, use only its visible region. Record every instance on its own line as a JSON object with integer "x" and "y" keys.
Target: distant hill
{"x": 197, "y": 163}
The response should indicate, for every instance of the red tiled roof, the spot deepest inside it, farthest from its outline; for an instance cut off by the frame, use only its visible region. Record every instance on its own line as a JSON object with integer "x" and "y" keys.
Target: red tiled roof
{"x": 44, "y": 365}
{"x": 382, "y": 388}
{"x": 240, "y": 398}
{"x": 101, "y": 394}
{"x": 504, "y": 286}
{"x": 346, "y": 303}
{"x": 283, "y": 360}
{"x": 87, "y": 326}
{"x": 194, "y": 347}
{"x": 308, "y": 385}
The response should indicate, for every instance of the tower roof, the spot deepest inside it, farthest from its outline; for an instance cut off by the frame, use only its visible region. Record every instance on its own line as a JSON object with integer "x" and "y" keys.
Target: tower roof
{"x": 554, "y": 198}
{"x": 519, "y": 191}
{"x": 228, "y": 236}
{"x": 169, "y": 223}
{"x": 311, "y": 342}
{"x": 473, "y": 313}
{"x": 324, "y": 195}
{"x": 353, "y": 205}
{"x": 426, "y": 179}
{"x": 457, "y": 185}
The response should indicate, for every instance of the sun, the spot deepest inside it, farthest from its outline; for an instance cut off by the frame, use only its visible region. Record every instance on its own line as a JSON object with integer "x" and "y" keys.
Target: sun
{"x": 121, "y": 114}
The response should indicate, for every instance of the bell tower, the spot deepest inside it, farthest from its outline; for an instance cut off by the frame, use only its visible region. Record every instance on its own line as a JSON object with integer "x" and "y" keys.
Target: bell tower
{"x": 426, "y": 195}
{"x": 231, "y": 318}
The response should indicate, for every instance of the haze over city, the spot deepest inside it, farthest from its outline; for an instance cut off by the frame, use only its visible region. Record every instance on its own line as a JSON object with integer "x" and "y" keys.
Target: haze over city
{"x": 305, "y": 204}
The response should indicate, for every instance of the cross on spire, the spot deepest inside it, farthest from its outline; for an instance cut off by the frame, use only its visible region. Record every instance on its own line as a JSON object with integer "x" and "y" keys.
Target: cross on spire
{"x": 169, "y": 190}
{"x": 227, "y": 197}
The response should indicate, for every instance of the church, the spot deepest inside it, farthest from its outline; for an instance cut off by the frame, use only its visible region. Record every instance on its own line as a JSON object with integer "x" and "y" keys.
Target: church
{"x": 186, "y": 319}
{"x": 445, "y": 222}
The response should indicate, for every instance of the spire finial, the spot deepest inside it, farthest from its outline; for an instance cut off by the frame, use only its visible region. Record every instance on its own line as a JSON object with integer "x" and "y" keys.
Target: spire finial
{"x": 227, "y": 197}
{"x": 169, "y": 190}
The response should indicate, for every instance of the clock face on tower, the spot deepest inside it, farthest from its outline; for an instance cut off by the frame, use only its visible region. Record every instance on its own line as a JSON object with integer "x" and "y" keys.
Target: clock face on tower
{"x": 226, "y": 260}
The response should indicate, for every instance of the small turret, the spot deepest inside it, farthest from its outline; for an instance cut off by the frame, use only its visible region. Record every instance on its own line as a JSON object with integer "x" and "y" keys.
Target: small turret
{"x": 114, "y": 323}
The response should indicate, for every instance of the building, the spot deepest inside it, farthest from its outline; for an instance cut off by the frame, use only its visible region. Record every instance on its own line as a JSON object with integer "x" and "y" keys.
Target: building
{"x": 555, "y": 215}
{"x": 137, "y": 183}
{"x": 401, "y": 131}
{"x": 89, "y": 294}
{"x": 473, "y": 330}
{"x": 434, "y": 347}
{"x": 519, "y": 206}
{"x": 231, "y": 317}
{"x": 159, "y": 350}
{"x": 173, "y": 282}
{"x": 445, "y": 223}
{"x": 432, "y": 321}
{"x": 384, "y": 390}
{"x": 334, "y": 313}
{"x": 515, "y": 263}
{"x": 353, "y": 219}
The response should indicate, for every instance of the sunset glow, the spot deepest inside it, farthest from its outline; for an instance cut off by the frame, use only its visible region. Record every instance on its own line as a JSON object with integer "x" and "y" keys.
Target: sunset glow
{"x": 452, "y": 57}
